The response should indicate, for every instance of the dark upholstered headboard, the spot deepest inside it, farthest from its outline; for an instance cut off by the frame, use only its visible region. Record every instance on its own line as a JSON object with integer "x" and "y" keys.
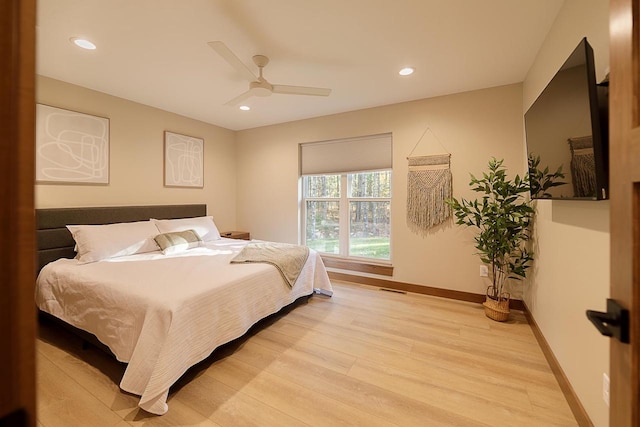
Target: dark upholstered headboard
{"x": 54, "y": 239}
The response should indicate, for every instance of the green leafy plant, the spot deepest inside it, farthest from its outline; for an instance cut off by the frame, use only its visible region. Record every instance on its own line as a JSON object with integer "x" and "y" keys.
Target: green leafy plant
{"x": 540, "y": 180}
{"x": 502, "y": 217}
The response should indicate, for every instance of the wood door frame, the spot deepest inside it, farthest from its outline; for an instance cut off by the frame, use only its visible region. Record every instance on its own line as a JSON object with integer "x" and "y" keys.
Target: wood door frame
{"x": 17, "y": 263}
{"x": 624, "y": 187}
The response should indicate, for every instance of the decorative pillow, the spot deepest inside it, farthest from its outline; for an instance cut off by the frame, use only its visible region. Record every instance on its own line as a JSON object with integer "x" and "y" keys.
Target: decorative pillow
{"x": 178, "y": 241}
{"x": 98, "y": 242}
{"x": 203, "y": 225}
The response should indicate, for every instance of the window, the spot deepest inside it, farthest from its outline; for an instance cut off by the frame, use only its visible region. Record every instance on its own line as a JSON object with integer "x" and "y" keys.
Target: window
{"x": 346, "y": 196}
{"x": 348, "y": 214}
{"x": 322, "y": 212}
{"x": 369, "y": 214}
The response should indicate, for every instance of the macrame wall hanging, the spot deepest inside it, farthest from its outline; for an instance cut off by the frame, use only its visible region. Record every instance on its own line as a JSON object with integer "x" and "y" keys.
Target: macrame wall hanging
{"x": 429, "y": 184}
{"x": 583, "y": 166}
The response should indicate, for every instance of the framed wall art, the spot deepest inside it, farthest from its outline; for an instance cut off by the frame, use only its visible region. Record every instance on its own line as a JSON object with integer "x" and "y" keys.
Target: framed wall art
{"x": 71, "y": 147}
{"x": 183, "y": 160}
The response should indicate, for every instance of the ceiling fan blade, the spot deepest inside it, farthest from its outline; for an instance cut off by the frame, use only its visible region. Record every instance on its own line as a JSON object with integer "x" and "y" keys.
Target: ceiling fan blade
{"x": 238, "y": 99}
{"x": 233, "y": 60}
{"x": 301, "y": 90}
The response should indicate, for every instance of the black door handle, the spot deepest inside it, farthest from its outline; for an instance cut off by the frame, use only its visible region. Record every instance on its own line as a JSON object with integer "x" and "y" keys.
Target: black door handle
{"x": 599, "y": 319}
{"x": 613, "y": 323}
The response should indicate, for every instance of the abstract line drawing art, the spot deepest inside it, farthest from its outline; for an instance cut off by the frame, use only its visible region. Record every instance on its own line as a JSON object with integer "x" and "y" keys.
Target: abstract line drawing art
{"x": 183, "y": 160}
{"x": 71, "y": 147}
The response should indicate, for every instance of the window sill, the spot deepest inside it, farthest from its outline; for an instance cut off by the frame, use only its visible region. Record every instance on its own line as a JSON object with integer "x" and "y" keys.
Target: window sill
{"x": 357, "y": 265}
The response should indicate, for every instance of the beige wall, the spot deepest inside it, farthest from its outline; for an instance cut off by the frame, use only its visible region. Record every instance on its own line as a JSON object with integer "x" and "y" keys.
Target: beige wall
{"x": 473, "y": 126}
{"x": 572, "y": 237}
{"x": 136, "y": 156}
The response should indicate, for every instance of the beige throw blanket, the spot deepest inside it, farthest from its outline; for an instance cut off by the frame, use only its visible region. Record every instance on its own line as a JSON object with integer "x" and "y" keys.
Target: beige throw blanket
{"x": 288, "y": 259}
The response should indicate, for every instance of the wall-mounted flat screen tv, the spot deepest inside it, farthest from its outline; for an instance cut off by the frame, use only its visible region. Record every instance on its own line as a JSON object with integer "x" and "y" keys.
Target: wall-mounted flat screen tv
{"x": 567, "y": 128}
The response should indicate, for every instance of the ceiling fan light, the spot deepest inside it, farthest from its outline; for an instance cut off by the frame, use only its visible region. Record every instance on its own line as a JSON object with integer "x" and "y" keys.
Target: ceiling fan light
{"x": 406, "y": 71}
{"x": 245, "y": 108}
{"x": 83, "y": 43}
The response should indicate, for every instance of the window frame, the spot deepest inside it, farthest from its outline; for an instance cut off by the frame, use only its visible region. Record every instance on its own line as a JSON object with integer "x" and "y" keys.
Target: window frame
{"x": 344, "y": 217}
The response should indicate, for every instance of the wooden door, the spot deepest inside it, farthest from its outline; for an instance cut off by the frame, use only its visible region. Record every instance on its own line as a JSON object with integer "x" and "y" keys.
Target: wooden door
{"x": 17, "y": 248}
{"x": 624, "y": 186}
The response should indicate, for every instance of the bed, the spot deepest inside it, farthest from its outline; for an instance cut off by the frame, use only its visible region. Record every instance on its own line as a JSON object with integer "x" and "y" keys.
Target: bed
{"x": 160, "y": 312}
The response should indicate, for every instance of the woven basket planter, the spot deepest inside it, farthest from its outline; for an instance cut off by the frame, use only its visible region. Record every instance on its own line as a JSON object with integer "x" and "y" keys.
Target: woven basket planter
{"x": 497, "y": 308}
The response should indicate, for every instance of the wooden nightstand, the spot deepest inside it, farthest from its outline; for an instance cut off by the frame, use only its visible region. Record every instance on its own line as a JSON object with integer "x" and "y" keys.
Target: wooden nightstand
{"x": 242, "y": 235}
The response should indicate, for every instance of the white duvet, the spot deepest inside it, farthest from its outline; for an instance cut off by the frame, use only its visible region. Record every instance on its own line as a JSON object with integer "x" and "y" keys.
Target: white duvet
{"x": 162, "y": 314}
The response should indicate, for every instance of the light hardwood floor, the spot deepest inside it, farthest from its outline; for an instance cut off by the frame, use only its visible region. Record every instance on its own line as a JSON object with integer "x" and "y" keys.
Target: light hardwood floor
{"x": 364, "y": 357}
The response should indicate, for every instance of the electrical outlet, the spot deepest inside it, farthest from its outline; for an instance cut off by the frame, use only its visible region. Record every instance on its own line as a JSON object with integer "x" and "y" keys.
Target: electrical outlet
{"x": 605, "y": 388}
{"x": 484, "y": 271}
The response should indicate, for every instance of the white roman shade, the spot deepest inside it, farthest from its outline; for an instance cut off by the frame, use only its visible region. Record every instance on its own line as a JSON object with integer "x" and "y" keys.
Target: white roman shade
{"x": 367, "y": 153}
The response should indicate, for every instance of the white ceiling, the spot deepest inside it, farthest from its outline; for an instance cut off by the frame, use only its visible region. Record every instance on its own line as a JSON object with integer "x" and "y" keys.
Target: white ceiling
{"x": 155, "y": 51}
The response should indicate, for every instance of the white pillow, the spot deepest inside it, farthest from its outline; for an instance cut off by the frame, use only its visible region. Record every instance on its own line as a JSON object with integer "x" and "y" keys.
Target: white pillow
{"x": 97, "y": 242}
{"x": 203, "y": 225}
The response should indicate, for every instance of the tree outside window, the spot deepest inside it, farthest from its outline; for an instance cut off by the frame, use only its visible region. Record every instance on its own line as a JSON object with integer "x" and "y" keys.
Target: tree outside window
{"x": 349, "y": 214}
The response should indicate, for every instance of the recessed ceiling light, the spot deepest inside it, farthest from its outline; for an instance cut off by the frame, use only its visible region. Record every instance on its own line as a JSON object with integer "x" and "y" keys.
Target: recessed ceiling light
{"x": 83, "y": 43}
{"x": 406, "y": 71}
{"x": 245, "y": 108}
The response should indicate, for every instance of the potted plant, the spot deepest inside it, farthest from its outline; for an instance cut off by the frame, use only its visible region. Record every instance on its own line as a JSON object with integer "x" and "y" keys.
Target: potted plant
{"x": 502, "y": 217}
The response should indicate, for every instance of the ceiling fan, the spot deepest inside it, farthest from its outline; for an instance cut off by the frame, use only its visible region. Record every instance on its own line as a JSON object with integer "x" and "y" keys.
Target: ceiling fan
{"x": 259, "y": 86}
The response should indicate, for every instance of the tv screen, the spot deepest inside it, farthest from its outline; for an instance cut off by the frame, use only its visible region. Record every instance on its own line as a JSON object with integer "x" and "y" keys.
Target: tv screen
{"x": 567, "y": 133}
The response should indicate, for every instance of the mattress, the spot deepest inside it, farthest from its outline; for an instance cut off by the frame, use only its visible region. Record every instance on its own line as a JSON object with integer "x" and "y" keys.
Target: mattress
{"x": 162, "y": 314}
